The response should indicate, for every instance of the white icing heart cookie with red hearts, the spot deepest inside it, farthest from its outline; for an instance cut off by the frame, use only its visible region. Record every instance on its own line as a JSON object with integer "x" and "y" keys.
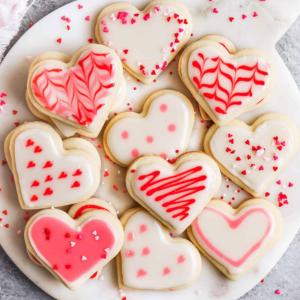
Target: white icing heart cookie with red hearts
{"x": 74, "y": 250}
{"x": 224, "y": 84}
{"x": 174, "y": 193}
{"x": 78, "y": 210}
{"x": 163, "y": 128}
{"x": 234, "y": 240}
{"x": 48, "y": 171}
{"x": 252, "y": 156}
{"x": 148, "y": 40}
{"x": 79, "y": 91}
{"x": 150, "y": 259}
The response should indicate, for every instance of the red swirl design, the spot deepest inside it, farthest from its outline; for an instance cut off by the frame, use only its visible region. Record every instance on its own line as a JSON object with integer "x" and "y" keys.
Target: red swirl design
{"x": 227, "y": 72}
{"x": 79, "y": 92}
{"x": 183, "y": 184}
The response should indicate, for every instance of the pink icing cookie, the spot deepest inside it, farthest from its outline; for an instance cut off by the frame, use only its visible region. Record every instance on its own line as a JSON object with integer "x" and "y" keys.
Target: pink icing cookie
{"x": 150, "y": 259}
{"x": 236, "y": 239}
{"x": 48, "y": 171}
{"x": 225, "y": 82}
{"x": 252, "y": 156}
{"x": 174, "y": 193}
{"x": 78, "y": 210}
{"x": 147, "y": 40}
{"x": 163, "y": 128}
{"x": 73, "y": 250}
{"x": 79, "y": 91}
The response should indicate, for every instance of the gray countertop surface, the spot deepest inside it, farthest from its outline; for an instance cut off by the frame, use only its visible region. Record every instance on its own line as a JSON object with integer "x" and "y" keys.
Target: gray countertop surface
{"x": 14, "y": 285}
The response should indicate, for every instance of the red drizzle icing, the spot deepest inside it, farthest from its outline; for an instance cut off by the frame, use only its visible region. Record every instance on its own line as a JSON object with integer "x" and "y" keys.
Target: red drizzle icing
{"x": 219, "y": 93}
{"x": 178, "y": 184}
{"x": 85, "y": 207}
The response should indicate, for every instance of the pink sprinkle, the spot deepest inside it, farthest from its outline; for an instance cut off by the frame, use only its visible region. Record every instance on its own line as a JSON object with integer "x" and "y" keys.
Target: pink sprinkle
{"x": 244, "y": 17}
{"x": 105, "y": 29}
{"x": 69, "y": 251}
{"x": 261, "y": 168}
{"x": 146, "y": 17}
{"x": 202, "y": 121}
{"x": 80, "y": 6}
{"x": 103, "y": 22}
{"x": 124, "y": 59}
{"x": 87, "y": 18}
{"x": 63, "y": 18}
{"x": 2, "y": 102}
{"x": 68, "y": 20}
{"x": 277, "y": 292}
{"x": 290, "y": 184}
{"x": 283, "y": 143}
{"x": 180, "y": 30}
{"x": 215, "y": 11}
{"x": 79, "y": 237}
{"x": 275, "y": 157}
{"x": 104, "y": 256}
{"x": 171, "y": 44}
{"x": 286, "y": 202}
{"x": 255, "y": 14}
{"x": 278, "y": 182}
{"x": 229, "y": 135}
{"x": 133, "y": 21}
{"x": 3, "y": 95}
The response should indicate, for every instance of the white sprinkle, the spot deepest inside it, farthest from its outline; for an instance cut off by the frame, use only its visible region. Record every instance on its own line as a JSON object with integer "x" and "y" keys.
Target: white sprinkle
{"x": 102, "y": 182}
{"x": 235, "y": 191}
{"x": 1, "y": 225}
{"x": 166, "y": 13}
{"x": 105, "y": 43}
{"x": 266, "y": 158}
{"x": 224, "y": 195}
{"x": 28, "y": 57}
{"x": 251, "y": 140}
{"x": 105, "y": 169}
{"x": 161, "y": 7}
{"x": 248, "y": 171}
{"x": 227, "y": 179}
{"x": 198, "y": 292}
{"x": 83, "y": 258}
{"x": 186, "y": 31}
{"x": 164, "y": 50}
{"x": 122, "y": 295}
{"x": 97, "y": 238}
{"x": 138, "y": 63}
{"x": 106, "y": 250}
{"x": 101, "y": 278}
{"x": 72, "y": 244}
{"x": 254, "y": 167}
{"x": 128, "y": 78}
{"x": 94, "y": 232}
{"x": 260, "y": 152}
{"x": 233, "y": 166}
{"x": 283, "y": 186}
{"x": 118, "y": 212}
{"x": 120, "y": 291}
{"x": 112, "y": 16}
{"x": 110, "y": 43}
{"x": 52, "y": 207}
{"x": 109, "y": 203}
{"x": 273, "y": 143}
{"x": 119, "y": 172}
{"x": 119, "y": 51}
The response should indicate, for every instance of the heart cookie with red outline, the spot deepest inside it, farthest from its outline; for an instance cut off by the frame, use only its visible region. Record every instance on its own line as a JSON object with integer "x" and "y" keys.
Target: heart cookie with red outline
{"x": 225, "y": 82}
{"x": 148, "y": 40}
{"x": 48, "y": 171}
{"x": 236, "y": 239}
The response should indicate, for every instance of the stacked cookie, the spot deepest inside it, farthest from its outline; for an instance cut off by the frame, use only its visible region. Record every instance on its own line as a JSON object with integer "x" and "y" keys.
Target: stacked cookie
{"x": 174, "y": 188}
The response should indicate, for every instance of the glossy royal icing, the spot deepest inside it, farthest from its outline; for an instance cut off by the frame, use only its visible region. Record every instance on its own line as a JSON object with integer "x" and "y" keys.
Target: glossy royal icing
{"x": 234, "y": 241}
{"x": 176, "y": 196}
{"x": 71, "y": 252}
{"x": 77, "y": 93}
{"x": 46, "y": 177}
{"x": 227, "y": 84}
{"x": 145, "y": 41}
{"x": 150, "y": 261}
{"x": 164, "y": 131}
{"x": 253, "y": 157}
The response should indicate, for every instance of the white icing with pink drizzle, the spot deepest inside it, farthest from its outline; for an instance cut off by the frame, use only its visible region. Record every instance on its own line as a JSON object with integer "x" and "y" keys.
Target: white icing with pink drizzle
{"x": 149, "y": 261}
{"x": 227, "y": 84}
{"x": 177, "y": 197}
{"x": 144, "y": 41}
{"x": 233, "y": 148}
{"x": 234, "y": 241}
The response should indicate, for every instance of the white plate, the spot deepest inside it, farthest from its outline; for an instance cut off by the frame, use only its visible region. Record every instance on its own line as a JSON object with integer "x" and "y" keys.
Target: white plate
{"x": 261, "y": 32}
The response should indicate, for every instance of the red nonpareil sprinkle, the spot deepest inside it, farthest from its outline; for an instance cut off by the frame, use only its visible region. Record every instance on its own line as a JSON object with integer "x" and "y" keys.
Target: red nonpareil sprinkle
{"x": 249, "y": 157}
{"x": 90, "y": 41}
{"x": 262, "y": 281}
{"x": 55, "y": 267}
{"x": 68, "y": 20}
{"x": 132, "y": 171}
{"x": 290, "y": 184}
{"x": 280, "y": 204}
{"x": 171, "y": 234}
{"x": 17, "y": 124}
{"x": 238, "y": 158}
{"x": 146, "y": 17}
{"x": 231, "y": 19}
{"x": 87, "y": 18}
{"x": 247, "y": 142}
{"x": 106, "y": 174}
{"x": 105, "y": 29}
{"x": 68, "y": 267}
{"x": 232, "y": 198}
{"x": 267, "y": 194}
{"x": 5, "y": 212}
{"x": 169, "y": 19}
{"x": 6, "y": 225}
{"x": 231, "y": 141}
{"x": 244, "y": 172}
{"x": 278, "y": 292}
{"x": 229, "y": 203}
{"x": 26, "y": 219}
{"x": 228, "y": 149}
{"x": 67, "y": 235}
{"x": 215, "y": 11}
{"x": 14, "y": 112}
{"x": 133, "y": 21}
{"x": 4, "y": 162}
{"x": 59, "y": 40}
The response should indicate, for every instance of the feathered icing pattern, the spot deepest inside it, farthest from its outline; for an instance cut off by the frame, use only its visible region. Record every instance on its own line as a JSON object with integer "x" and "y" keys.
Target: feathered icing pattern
{"x": 79, "y": 92}
{"x": 181, "y": 186}
{"x": 232, "y": 96}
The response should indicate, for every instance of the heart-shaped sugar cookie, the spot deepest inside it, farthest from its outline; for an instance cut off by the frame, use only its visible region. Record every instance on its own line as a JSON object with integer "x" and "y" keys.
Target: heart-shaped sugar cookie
{"x": 73, "y": 250}
{"x": 224, "y": 84}
{"x": 48, "y": 171}
{"x": 163, "y": 128}
{"x": 79, "y": 91}
{"x": 235, "y": 239}
{"x": 150, "y": 259}
{"x": 147, "y": 40}
{"x": 174, "y": 193}
{"x": 252, "y": 156}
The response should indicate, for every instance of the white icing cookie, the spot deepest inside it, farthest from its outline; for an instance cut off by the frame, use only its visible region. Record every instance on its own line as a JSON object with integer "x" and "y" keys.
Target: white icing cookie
{"x": 78, "y": 210}
{"x": 147, "y": 40}
{"x": 74, "y": 250}
{"x": 78, "y": 92}
{"x": 236, "y": 239}
{"x": 174, "y": 193}
{"x": 48, "y": 171}
{"x": 252, "y": 156}
{"x": 163, "y": 128}
{"x": 224, "y": 84}
{"x": 150, "y": 259}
